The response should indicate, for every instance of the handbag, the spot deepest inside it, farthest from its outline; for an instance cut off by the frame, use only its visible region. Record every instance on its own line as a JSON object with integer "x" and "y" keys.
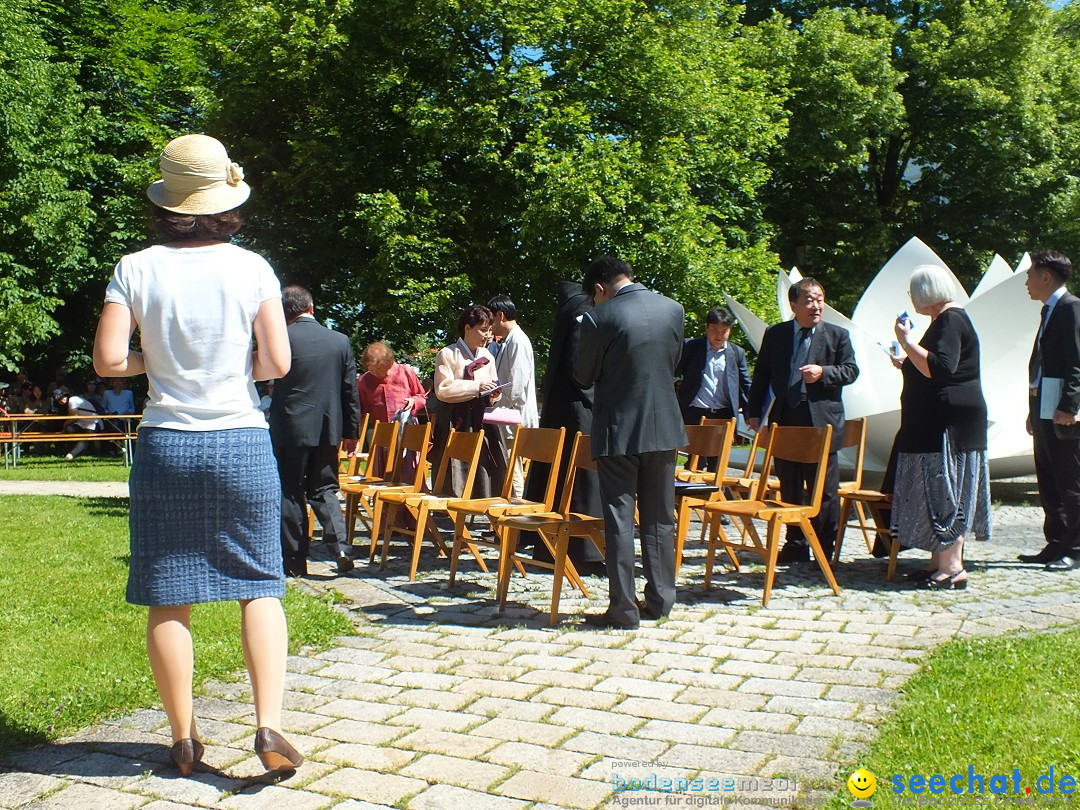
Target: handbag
{"x": 497, "y": 415}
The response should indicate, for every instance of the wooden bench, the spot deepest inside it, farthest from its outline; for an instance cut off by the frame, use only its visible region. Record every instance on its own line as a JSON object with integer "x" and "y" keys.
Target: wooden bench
{"x": 17, "y": 430}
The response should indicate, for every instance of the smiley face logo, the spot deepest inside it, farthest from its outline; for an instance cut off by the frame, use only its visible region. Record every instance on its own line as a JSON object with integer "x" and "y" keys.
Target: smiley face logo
{"x": 862, "y": 784}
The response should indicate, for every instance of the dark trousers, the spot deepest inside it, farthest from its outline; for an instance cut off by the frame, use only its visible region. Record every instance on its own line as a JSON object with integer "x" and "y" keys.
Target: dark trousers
{"x": 1057, "y": 468}
{"x": 693, "y": 416}
{"x": 309, "y": 475}
{"x": 796, "y": 479}
{"x": 647, "y": 480}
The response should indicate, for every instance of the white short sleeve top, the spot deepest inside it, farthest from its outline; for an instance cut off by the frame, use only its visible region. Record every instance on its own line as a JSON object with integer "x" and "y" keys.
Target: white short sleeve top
{"x": 195, "y": 307}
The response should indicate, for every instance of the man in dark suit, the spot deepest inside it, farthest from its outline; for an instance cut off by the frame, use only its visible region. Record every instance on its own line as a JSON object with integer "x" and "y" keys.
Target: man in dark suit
{"x": 628, "y": 347}
{"x": 804, "y": 364}
{"x": 315, "y": 405}
{"x": 1054, "y": 376}
{"x": 715, "y": 379}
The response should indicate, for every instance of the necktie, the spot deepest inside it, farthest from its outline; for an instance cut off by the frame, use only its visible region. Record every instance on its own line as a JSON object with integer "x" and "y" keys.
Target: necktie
{"x": 1035, "y": 372}
{"x": 796, "y": 387}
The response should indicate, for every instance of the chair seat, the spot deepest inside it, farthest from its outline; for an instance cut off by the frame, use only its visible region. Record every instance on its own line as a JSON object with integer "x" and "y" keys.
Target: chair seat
{"x": 492, "y": 506}
{"x": 737, "y": 508}
{"x": 866, "y": 495}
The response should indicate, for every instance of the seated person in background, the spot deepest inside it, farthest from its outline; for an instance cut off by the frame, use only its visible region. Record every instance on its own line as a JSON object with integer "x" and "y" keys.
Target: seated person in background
{"x": 94, "y": 390}
{"x": 385, "y": 388}
{"x": 33, "y": 399}
{"x": 119, "y": 398}
{"x": 79, "y": 407}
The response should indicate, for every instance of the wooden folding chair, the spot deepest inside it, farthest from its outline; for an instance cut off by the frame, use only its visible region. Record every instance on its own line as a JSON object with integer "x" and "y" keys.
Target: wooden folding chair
{"x": 460, "y": 446}
{"x": 415, "y": 442}
{"x": 806, "y": 445}
{"x": 555, "y": 530}
{"x": 543, "y": 445}
{"x": 854, "y": 436}
{"x": 384, "y": 439}
{"x": 696, "y": 488}
{"x": 350, "y": 465}
{"x": 878, "y": 504}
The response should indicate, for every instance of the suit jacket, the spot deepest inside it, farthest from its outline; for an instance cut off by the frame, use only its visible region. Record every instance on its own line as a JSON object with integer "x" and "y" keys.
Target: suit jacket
{"x": 830, "y": 348}
{"x": 316, "y": 403}
{"x": 629, "y": 347}
{"x": 692, "y": 367}
{"x": 1061, "y": 351}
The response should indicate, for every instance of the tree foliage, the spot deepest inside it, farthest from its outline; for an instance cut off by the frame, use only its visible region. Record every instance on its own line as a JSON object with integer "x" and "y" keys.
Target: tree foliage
{"x": 952, "y": 121}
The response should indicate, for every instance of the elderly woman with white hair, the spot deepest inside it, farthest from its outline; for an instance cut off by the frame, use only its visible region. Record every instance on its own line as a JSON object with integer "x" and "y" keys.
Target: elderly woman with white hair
{"x": 941, "y": 490}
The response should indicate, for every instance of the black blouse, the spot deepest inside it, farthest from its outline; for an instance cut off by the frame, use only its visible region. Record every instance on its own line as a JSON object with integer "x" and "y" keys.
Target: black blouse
{"x": 951, "y": 397}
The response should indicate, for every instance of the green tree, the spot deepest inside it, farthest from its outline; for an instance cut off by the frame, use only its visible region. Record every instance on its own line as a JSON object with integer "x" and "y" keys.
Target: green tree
{"x": 43, "y": 210}
{"x": 411, "y": 155}
{"x": 942, "y": 121}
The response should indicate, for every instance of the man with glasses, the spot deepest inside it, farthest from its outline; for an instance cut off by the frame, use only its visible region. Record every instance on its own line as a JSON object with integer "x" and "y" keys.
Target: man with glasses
{"x": 803, "y": 367}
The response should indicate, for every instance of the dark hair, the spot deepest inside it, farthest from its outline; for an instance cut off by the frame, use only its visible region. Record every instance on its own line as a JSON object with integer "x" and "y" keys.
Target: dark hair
{"x": 604, "y": 270}
{"x": 502, "y": 303}
{"x": 474, "y": 316}
{"x": 296, "y": 300}
{"x": 178, "y": 227}
{"x": 721, "y": 316}
{"x": 1053, "y": 262}
{"x": 800, "y": 285}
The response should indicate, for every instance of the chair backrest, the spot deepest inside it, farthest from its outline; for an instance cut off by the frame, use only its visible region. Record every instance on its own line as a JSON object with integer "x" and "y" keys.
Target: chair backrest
{"x": 758, "y": 445}
{"x": 384, "y": 438}
{"x": 536, "y": 444}
{"x": 855, "y": 436}
{"x": 349, "y": 465}
{"x": 463, "y": 446}
{"x": 806, "y": 445}
{"x": 580, "y": 459}
{"x": 414, "y": 439}
{"x": 707, "y": 440}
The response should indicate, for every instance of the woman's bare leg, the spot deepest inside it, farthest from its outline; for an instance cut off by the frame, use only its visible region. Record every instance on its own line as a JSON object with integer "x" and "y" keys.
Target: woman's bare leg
{"x": 266, "y": 645}
{"x": 172, "y": 660}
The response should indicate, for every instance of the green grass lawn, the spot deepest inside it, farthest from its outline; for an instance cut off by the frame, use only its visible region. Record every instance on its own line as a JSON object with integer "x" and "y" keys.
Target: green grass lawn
{"x": 57, "y": 468}
{"x": 992, "y": 704}
{"x": 72, "y": 651}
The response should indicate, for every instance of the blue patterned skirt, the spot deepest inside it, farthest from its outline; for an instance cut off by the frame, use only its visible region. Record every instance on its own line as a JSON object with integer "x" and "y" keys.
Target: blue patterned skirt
{"x": 205, "y": 517}
{"x": 940, "y": 497}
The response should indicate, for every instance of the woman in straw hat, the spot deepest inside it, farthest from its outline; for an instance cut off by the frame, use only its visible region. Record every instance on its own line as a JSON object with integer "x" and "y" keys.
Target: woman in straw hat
{"x": 205, "y": 495}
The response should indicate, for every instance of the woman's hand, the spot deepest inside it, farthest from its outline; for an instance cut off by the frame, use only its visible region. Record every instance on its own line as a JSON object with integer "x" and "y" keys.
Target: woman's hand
{"x": 902, "y": 328}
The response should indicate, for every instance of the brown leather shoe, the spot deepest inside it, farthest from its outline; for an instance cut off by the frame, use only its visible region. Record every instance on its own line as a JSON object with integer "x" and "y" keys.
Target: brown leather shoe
{"x": 274, "y": 751}
{"x": 186, "y": 754}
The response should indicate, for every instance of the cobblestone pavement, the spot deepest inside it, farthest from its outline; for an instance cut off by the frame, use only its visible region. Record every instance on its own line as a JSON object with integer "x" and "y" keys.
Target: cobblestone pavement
{"x": 440, "y": 703}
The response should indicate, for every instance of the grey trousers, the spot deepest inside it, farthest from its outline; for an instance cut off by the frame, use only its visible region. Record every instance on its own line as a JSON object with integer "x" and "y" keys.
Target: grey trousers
{"x": 309, "y": 476}
{"x": 647, "y": 479}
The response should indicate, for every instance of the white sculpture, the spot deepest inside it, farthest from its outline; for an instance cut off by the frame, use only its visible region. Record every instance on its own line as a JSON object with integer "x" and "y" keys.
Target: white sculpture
{"x": 1005, "y": 318}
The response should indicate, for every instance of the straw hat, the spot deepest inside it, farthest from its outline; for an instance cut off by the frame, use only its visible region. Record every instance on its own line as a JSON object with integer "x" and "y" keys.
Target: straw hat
{"x": 198, "y": 177}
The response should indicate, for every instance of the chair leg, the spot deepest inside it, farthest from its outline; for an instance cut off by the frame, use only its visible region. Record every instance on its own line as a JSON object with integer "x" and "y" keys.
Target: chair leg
{"x": 841, "y": 528}
{"x": 682, "y": 525}
{"x": 562, "y": 544}
{"x": 350, "y": 516}
{"x": 418, "y": 539}
{"x": 868, "y": 535}
{"x": 502, "y": 586}
{"x": 388, "y": 530}
{"x": 772, "y": 549}
{"x": 819, "y": 555}
{"x": 455, "y": 548}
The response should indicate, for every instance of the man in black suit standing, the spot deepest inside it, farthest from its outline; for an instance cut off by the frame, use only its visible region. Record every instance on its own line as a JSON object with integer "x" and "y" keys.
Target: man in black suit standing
{"x": 315, "y": 405}
{"x": 715, "y": 379}
{"x": 805, "y": 364}
{"x": 628, "y": 347}
{"x": 1054, "y": 376}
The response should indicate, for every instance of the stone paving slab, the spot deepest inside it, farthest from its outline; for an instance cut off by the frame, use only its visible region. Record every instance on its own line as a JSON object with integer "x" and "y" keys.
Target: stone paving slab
{"x": 442, "y": 703}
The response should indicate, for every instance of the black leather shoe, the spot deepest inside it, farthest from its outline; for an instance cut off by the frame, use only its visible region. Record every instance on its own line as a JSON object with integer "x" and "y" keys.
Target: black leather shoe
{"x": 344, "y": 564}
{"x": 725, "y": 520}
{"x": 1048, "y": 554}
{"x": 793, "y": 553}
{"x": 647, "y": 612}
{"x": 955, "y": 582}
{"x": 296, "y": 568}
{"x": 1063, "y": 564}
{"x": 606, "y": 621}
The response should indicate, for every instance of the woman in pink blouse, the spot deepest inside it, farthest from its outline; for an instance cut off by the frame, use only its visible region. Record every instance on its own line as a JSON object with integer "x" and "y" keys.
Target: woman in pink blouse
{"x": 387, "y": 387}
